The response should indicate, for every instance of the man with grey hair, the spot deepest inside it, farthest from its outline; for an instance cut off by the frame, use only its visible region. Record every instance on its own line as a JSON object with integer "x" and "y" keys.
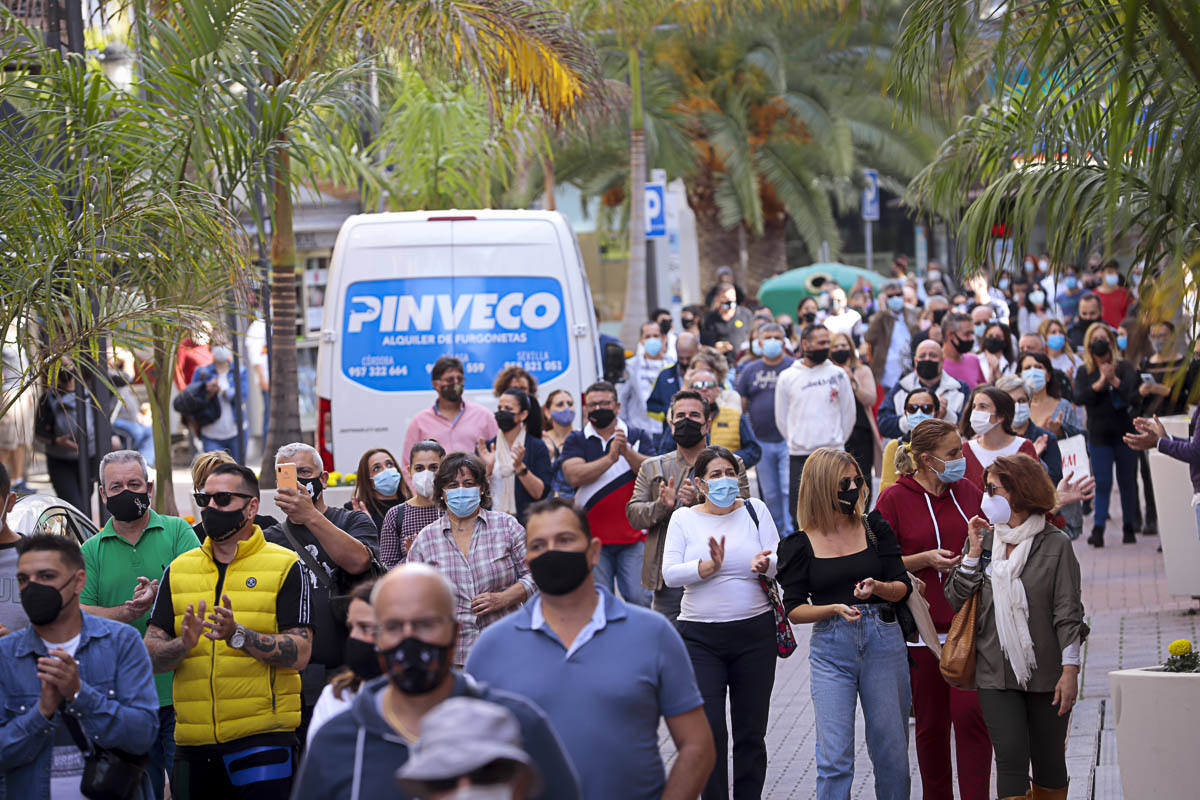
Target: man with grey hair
{"x": 124, "y": 562}
{"x": 356, "y": 754}
{"x": 337, "y": 546}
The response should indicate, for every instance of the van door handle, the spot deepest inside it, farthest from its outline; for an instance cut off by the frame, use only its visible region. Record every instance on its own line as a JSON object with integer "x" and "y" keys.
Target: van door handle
{"x": 328, "y": 336}
{"x": 581, "y": 330}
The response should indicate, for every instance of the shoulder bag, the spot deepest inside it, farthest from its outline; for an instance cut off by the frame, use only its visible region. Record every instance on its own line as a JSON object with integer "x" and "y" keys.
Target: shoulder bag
{"x": 108, "y": 774}
{"x": 957, "y": 661}
{"x": 785, "y": 640}
{"x": 916, "y": 623}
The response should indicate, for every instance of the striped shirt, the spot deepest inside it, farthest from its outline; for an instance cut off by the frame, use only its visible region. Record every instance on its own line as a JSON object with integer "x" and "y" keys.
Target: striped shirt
{"x": 393, "y": 543}
{"x": 495, "y": 562}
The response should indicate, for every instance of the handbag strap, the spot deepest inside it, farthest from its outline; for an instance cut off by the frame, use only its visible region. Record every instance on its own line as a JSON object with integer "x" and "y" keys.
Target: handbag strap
{"x": 75, "y": 730}
{"x": 311, "y": 563}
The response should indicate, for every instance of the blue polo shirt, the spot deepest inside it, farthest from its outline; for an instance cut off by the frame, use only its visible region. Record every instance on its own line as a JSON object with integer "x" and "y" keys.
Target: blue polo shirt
{"x": 604, "y": 698}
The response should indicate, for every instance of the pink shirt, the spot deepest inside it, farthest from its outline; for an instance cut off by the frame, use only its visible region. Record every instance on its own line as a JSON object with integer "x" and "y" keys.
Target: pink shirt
{"x": 458, "y": 434}
{"x": 967, "y": 370}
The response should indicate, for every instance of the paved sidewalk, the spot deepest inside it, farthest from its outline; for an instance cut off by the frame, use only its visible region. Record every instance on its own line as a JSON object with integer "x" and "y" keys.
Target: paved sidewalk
{"x": 1132, "y": 619}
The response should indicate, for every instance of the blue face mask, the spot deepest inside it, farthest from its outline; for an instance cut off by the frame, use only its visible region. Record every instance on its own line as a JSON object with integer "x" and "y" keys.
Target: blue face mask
{"x": 1004, "y": 284}
{"x": 1071, "y": 282}
{"x": 953, "y": 471}
{"x": 916, "y": 418}
{"x": 564, "y": 416}
{"x": 1020, "y": 414}
{"x": 1112, "y": 279}
{"x": 652, "y": 347}
{"x": 1037, "y": 298}
{"x": 895, "y": 304}
{"x": 387, "y": 481}
{"x": 756, "y": 347}
{"x": 722, "y": 491}
{"x": 462, "y": 502}
{"x": 980, "y": 328}
{"x": 1122, "y": 341}
{"x": 772, "y": 348}
{"x": 1056, "y": 341}
{"x": 1035, "y": 379}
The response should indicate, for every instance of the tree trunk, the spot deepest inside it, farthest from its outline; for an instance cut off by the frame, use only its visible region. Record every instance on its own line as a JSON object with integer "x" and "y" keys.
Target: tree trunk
{"x": 284, "y": 424}
{"x": 768, "y": 254}
{"x": 635, "y": 279}
{"x": 165, "y": 345}
{"x": 548, "y": 200}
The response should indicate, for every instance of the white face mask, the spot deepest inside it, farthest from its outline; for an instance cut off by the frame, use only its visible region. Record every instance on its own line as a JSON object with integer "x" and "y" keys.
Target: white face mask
{"x": 981, "y": 422}
{"x": 996, "y": 509}
{"x": 500, "y": 791}
{"x": 423, "y": 483}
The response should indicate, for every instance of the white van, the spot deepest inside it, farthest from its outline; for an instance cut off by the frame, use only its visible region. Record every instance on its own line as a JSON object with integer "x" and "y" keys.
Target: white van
{"x": 493, "y": 288}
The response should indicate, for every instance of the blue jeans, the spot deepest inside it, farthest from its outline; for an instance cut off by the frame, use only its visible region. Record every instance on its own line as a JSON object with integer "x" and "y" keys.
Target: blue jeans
{"x": 864, "y": 660}
{"x": 162, "y": 752}
{"x": 236, "y": 446}
{"x": 773, "y": 483}
{"x": 622, "y": 564}
{"x": 141, "y": 437}
{"x": 1104, "y": 458}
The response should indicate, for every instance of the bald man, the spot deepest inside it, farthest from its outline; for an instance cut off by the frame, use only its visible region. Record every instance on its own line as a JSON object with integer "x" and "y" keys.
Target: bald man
{"x": 928, "y": 374}
{"x": 360, "y": 749}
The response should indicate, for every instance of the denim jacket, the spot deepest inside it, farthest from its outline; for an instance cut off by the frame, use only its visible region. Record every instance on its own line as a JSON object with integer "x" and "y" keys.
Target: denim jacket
{"x": 117, "y": 706}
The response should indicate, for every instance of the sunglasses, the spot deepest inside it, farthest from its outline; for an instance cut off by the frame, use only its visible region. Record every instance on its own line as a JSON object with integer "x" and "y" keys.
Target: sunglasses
{"x": 222, "y": 498}
{"x": 704, "y": 384}
{"x": 495, "y": 772}
{"x": 846, "y": 484}
{"x": 912, "y": 409}
{"x": 687, "y": 320}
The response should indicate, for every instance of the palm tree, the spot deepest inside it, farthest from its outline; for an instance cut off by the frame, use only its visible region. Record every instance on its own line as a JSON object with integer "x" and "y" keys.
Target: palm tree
{"x": 1092, "y": 124}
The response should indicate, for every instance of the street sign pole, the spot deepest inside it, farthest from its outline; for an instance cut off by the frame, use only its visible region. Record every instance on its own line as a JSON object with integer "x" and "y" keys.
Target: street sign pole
{"x": 870, "y": 212}
{"x": 870, "y": 244}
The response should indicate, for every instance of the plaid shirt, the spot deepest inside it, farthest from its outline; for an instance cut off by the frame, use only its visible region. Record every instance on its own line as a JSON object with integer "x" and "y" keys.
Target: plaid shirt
{"x": 496, "y": 562}
{"x": 394, "y": 544}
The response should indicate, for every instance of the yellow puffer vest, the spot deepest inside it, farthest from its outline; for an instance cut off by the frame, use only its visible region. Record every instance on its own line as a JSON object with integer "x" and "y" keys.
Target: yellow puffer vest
{"x": 726, "y": 428}
{"x": 222, "y": 694}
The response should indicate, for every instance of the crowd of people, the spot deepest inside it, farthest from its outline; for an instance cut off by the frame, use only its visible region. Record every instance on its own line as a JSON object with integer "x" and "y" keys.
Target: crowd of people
{"x": 512, "y": 606}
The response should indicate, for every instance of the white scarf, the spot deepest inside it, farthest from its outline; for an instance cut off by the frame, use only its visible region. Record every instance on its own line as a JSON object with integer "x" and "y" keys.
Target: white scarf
{"x": 504, "y": 480}
{"x": 1009, "y": 602}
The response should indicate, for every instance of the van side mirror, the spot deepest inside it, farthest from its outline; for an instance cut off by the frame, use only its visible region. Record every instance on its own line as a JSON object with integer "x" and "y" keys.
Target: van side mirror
{"x": 614, "y": 362}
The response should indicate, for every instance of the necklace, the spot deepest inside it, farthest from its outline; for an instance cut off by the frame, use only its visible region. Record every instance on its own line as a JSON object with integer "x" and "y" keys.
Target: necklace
{"x": 393, "y": 719}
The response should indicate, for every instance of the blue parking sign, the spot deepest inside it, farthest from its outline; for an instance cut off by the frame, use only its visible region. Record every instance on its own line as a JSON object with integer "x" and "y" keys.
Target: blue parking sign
{"x": 656, "y": 211}
{"x": 870, "y": 196}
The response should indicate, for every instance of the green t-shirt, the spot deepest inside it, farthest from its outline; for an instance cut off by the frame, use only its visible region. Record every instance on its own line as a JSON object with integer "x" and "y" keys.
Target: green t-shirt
{"x": 114, "y": 565}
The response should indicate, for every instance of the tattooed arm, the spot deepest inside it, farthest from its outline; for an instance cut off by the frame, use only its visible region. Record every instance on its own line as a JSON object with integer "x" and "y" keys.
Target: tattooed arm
{"x": 166, "y": 653}
{"x": 290, "y": 648}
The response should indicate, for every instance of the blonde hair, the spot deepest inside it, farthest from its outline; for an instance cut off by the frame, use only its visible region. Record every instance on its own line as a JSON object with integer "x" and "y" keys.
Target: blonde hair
{"x": 924, "y": 438}
{"x": 833, "y": 342}
{"x": 204, "y": 464}
{"x": 816, "y": 506}
{"x": 714, "y": 359}
{"x": 1089, "y": 361}
{"x": 1043, "y": 329}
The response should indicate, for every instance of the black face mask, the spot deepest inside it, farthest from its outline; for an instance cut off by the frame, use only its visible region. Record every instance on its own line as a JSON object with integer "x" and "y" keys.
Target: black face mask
{"x": 362, "y": 658}
{"x": 993, "y": 345}
{"x": 414, "y": 666}
{"x": 928, "y": 370}
{"x": 938, "y": 316}
{"x": 1084, "y": 321}
{"x": 788, "y": 330}
{"x": 559, "y": 572}
{"x": 664, "y": 326}
{"x": 506, "y": 420}
{"x": 220, "y": 524}
{"x": 42, "y": 602}
{"x": 809, "y": 317}
{"x": 817, "y": 356}
{"x": 601, "y": 418}
{"x": 846, "y": 501}
{"x": 1099, "y": 347}
{"x": 314, "y": 486}
{"x": 687, "y": 433}
{"x": 839, "y": 356}
{"x": 451, "y": 392}
{"x": 128, "y": 505}
{"x": 964, "y": 346}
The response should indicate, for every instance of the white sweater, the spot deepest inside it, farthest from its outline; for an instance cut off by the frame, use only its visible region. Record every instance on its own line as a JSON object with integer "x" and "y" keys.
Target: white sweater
{"x": 814, "y": 407}
{"x": 733, "y": 591}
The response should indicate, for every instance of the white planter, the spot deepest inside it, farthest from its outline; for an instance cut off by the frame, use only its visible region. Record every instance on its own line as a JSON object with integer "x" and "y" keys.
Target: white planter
{"x": 1156, "y": 715}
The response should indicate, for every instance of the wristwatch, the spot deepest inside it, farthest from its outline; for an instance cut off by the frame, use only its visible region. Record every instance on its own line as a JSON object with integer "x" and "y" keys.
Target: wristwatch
{"x": 237, "y": 639}
{"x": 523, "y": 473}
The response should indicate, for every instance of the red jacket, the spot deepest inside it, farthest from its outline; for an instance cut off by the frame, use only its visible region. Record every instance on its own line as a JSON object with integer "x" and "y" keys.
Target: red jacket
{"x": 975, "y": 468}
{"x": 907, "y": 507}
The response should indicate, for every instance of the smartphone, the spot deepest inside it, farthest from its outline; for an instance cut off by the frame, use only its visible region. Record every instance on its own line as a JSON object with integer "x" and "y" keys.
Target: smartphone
{"x": 1148, "y": 378}
{"x": 285, "y": 476}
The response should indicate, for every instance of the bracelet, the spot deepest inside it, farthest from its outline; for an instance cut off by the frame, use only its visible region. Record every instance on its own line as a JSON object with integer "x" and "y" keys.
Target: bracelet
{"x": 523, "y": 473}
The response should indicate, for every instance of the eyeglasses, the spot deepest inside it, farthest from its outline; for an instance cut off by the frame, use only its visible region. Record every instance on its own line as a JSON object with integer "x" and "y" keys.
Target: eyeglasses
{"x": 846, "y": 484}
{"x": 493, "y": 773}
{"x": 222, "y": 498}
{"x": 991, "y": 489}
{"x": 704, "y": 384}
{"x": 422, "y": 627}
{"x": 928, "y": 408}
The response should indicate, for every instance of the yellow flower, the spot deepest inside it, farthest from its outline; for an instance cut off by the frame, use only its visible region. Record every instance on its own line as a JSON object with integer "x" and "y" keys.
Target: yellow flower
{"x": 335, "y": 478}
{"x": 1180, "y": 647}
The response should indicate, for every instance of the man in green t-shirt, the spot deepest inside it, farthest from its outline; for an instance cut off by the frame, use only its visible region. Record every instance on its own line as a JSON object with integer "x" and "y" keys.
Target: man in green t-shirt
{"x": 124, "y": 562}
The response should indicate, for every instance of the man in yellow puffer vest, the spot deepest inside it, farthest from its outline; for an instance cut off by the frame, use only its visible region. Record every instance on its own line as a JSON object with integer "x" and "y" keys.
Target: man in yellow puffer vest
{"x": 237, "y": 670}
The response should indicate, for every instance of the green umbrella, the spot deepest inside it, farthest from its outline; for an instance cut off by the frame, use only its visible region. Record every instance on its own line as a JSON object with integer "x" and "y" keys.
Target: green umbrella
{"x": 783, "y": 293}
